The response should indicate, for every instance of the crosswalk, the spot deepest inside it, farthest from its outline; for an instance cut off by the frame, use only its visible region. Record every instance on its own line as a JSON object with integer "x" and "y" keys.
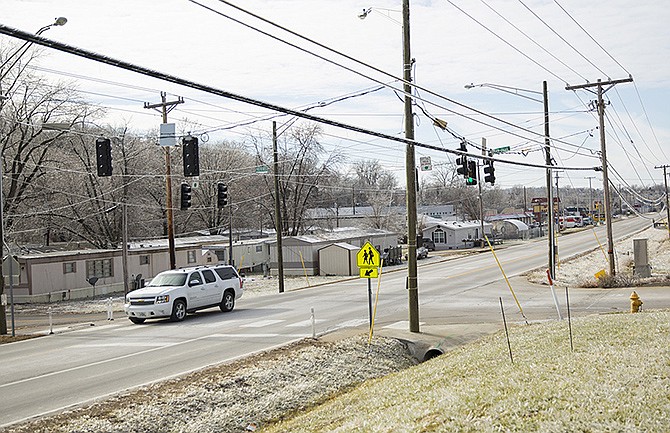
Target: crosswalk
{"x": 236, "y": 328}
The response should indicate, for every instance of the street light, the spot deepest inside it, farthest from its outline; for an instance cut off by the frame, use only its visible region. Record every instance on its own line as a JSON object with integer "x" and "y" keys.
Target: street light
{"x": 60, "y": 21}
{"x": 547, "y": 147}
{"x": 410, "y": 170}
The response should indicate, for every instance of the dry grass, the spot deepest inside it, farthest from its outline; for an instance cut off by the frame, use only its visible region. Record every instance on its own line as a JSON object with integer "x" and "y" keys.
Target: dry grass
{"x": 617, "y": 379}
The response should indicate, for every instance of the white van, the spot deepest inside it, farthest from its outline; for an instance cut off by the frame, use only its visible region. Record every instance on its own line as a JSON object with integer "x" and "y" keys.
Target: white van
{"x": 177, "y": 292}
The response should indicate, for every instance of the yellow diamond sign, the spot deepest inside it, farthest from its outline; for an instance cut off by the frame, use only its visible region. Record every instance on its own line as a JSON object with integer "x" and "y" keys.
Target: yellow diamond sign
{"x": 368, "y": 257}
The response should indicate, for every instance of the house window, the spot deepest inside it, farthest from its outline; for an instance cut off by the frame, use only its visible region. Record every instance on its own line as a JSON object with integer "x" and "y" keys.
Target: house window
{"x": 70, "y": 268}
{"x": 190, "y": 256}
{"x": 259, "y": 248}
{"x": 438, "y": 237}
{"x": 144, "y": 260}
{"x": 99, "y": 268}
{"x": 209, "y": 259}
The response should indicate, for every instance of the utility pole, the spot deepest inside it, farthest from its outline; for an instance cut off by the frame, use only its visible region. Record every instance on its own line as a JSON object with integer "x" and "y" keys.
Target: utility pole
{"x": 591, "y": 193}
{"x": 231, "y": 262}
{"x": 667, "y": 201}
{"x": 278, "y": 219}
{"x": 481, "y": 199}
{"x": 410, "y": 167}
{"x": 165, "y": 108}
{"x": 550, "y": 199}
{"x": 603, "y": 150}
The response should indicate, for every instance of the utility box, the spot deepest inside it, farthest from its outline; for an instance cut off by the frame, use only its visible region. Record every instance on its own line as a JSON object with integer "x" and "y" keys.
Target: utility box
{"x": 641, "y": 266}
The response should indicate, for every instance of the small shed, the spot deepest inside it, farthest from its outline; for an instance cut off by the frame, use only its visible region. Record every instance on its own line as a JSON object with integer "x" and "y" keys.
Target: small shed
{"x": 338, "y": 259}
{"x": 510, "y": 229}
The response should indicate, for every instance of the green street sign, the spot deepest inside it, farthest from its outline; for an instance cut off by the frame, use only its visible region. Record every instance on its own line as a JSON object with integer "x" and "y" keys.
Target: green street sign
{"x": 501, "y": 149}
{"x": 262, "y": 169}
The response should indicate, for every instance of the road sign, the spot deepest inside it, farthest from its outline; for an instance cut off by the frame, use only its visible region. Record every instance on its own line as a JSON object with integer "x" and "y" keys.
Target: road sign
{"x": 425, "y": 163}
{"x": 262, "y": 169}
{"x": 501, "y": 149}
{"x": 16, "y": 267}
{"x": 369, "y": 272}
{"x": 368, "y": 257}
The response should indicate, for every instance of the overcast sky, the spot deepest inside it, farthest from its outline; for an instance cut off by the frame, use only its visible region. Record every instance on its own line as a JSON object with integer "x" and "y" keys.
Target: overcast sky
{"x": 454, "y": 42}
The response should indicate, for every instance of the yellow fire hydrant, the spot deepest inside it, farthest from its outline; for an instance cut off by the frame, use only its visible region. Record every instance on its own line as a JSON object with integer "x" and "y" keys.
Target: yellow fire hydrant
{"x": 635, "y": 302}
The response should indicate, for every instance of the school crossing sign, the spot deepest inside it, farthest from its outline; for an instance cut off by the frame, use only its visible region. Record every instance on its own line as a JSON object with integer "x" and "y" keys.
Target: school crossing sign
{"x": 368, "y": 260}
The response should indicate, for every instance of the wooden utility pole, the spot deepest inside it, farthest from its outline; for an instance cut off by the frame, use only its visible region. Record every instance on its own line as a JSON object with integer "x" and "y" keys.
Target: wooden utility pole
{"x": 165, "y": 108}
{"x": 410, "y": 169}
{"x": 667, "y": 201}
{"x": 278, "y": 220}
{"x": 603, "y": 150}
{"x": 550, "y": 196}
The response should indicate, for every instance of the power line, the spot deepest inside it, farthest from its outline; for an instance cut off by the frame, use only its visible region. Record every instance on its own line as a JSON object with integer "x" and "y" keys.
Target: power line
{"x": 506, "y": 42}
{"x": 225, "y": 94}
{"x": 563, "y": 39}
{"x": 592, "y": 38}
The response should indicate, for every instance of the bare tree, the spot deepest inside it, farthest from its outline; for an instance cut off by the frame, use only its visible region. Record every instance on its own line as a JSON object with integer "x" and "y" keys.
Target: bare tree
{"x": 303, "y": 167}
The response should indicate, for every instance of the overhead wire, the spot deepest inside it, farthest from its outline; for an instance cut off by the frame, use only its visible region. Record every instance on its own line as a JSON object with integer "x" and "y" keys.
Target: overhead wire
{"x": 562, "y": 38}
{"x": 534, "y": 41}
{"x": 209, "y": 89}
{"x": 414, "y": 85}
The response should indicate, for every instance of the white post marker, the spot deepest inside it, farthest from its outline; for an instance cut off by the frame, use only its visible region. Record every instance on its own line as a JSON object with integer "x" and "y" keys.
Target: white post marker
{"x": 51, "y": 321}
{"x": 110, "y": 310}
{"x": 553, "y": 295}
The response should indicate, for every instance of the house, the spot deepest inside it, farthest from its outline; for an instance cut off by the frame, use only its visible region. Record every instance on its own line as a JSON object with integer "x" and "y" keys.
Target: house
{"x": 301, "y": 253}
{"x": 449, "y": 235}
{"x": 60, "y": 275}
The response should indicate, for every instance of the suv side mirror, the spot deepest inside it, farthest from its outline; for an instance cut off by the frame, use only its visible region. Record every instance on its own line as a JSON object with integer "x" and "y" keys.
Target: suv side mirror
{"x": 194, "y": 282}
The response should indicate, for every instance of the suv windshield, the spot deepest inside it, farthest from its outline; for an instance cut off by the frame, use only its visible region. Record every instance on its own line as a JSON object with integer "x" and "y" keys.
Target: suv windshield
{"x": 170, "y": 279}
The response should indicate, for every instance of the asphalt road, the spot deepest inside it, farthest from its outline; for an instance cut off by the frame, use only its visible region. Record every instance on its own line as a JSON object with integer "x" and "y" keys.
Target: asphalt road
{"x": 45, "y": 375}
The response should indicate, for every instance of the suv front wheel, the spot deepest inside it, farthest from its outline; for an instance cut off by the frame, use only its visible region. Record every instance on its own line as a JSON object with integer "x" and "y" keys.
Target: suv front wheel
{"x": 178, "y": 311}
{"x": 228, "y": 301}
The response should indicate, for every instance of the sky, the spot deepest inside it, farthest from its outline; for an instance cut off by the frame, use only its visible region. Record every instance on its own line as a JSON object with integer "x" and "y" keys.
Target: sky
{"x": 513, "y": 43}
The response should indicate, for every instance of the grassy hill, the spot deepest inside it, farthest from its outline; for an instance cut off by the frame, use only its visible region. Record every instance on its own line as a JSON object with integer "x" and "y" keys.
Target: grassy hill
{"x": 617, "y": 379}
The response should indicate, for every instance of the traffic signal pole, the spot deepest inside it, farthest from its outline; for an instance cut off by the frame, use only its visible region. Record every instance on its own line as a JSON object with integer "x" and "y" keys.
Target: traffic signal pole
{"x": 165, "y": 108}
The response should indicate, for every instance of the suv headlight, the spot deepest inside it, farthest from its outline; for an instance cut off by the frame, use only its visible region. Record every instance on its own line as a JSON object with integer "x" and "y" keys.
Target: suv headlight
{"x": 128, "y": 299}
{"x": 162, "y": 299}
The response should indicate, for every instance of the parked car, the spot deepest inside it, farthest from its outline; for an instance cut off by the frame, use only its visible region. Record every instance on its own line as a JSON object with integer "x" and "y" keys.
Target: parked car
{"x": 429, "y": 244}
{"x": 177, "y": 292}
{"x": 421, "y": 253}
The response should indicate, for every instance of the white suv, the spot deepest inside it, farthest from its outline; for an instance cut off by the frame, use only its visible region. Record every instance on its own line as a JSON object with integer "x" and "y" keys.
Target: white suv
{"x": 174, "y": 293}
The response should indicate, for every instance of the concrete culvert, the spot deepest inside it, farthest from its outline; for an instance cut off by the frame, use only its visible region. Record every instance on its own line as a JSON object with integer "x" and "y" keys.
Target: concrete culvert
{"x": 431, "y": 353}
{"x": 422, "y": 350}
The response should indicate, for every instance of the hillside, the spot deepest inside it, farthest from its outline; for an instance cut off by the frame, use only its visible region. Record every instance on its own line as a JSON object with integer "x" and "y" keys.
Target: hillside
{"x": 617, "y": 379}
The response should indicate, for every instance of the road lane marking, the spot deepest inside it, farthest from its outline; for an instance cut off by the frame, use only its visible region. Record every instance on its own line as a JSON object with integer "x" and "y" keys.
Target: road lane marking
{"x": 262, "y": 323}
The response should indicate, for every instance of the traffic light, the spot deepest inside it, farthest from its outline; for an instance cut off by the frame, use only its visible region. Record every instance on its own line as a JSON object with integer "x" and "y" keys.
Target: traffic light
{"x": 489, "y": 172}
{"x": 185, "y": 196}
{"x": 191, "y": 156}
{"x": 103, "y": 151}
{"x": 221, "y": 195}
{"x": 462, "y": 161}
{"x": 471, "y": 179}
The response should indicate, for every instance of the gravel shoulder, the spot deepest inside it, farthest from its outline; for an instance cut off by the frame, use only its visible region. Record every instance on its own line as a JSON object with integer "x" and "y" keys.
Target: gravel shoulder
{"x": 241, "y": 396}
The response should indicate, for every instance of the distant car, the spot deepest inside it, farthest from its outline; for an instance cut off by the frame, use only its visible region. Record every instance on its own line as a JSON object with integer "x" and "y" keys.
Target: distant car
{"x": 421, "y": 253}
{"x": 429, "y": 244}
{"x": 175, "y": 293}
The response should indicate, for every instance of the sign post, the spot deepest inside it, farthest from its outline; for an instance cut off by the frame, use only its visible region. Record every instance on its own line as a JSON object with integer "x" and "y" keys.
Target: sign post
{"x": 368, "y": 260}
{"x": 12, "y": 268}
